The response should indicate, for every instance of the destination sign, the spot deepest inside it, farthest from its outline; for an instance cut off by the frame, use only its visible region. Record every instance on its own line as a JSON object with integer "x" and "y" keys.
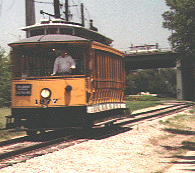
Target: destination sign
{"x": 23, "y": 89}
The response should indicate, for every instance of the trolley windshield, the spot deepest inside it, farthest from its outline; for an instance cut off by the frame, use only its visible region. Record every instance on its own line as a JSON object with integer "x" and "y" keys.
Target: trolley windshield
{"x": 39, "y": 62}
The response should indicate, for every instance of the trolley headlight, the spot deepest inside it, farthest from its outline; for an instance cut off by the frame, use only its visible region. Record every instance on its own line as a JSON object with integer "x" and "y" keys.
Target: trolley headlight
{"x": 68, "y": 88}
{"x": 45, "y": 93}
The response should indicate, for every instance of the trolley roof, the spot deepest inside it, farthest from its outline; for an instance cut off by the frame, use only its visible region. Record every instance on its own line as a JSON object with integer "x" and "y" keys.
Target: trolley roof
{"x": 60, "y": 40}
{"x": 49, "y": 38}
{"x": 41, "y": 33}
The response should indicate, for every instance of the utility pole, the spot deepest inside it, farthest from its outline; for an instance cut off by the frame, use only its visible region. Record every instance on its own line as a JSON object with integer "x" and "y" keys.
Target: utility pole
{"x": 66, "y": 11}
{"x": 30, "y": 12}
{"x": 82, "y": 15}
{"x": 56, "y": 9}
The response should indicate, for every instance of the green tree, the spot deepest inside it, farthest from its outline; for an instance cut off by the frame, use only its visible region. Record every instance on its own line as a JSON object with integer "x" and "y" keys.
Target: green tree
{"x": 169, "y": 76}
{"x": 130, "y": 85}
{"x": 5, "y": 79}
{"x": 162, "y": 81}
{"x": 181, "y": 20}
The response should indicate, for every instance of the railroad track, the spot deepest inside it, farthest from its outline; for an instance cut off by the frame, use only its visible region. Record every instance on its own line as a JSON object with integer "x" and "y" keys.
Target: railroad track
{"x": 23, "y": 148}
{"x": 153, "y": 113}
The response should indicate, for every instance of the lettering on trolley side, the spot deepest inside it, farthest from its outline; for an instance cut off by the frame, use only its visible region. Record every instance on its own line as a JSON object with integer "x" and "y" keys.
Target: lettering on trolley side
{"x": 23, "y": 89}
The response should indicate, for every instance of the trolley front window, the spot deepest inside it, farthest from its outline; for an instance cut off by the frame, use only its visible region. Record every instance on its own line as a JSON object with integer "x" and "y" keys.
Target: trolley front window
{"x": 38, "y": 62}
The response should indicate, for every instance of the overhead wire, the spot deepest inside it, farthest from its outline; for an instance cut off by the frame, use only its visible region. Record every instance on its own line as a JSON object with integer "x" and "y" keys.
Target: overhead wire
{"x": 78, "y": 13}
{"x": 88, "y": 13}
{"x": 43, "y": 2}
{"x": 74, "y": 5}
{"x": 88, "y": 20}
{"x": 10, "y": 6}
{"x": 89, "y": 17}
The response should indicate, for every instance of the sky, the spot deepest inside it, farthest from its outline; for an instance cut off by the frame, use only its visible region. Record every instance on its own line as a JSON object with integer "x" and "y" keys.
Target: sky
{"x": 127, "y": 22}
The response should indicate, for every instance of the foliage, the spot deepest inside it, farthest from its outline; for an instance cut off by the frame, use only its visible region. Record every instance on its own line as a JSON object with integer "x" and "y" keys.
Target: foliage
{"x": 162, "y": 81}
{"x": 179, "y": 122}
{"x": 5, "y": 79}
{"x": 181, "y": 20}
{"x": 6, "y": 134}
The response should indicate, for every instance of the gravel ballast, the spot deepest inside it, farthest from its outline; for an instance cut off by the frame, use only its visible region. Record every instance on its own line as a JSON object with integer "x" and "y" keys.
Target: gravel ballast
{"x": 128, "y": 152}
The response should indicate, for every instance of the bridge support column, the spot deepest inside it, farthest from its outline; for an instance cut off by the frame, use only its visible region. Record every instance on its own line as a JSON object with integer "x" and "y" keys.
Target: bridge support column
{"x": 186, "y": 79}
{"x": 179, "y": 81}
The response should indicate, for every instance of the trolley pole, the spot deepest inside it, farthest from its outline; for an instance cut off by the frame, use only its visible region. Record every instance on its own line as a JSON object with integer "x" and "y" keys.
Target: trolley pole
{"x": 66, "y": 11}
{"x": 82, "y": 15}
{"x": 56, "y": 9}
{"x": 30, "y": 12}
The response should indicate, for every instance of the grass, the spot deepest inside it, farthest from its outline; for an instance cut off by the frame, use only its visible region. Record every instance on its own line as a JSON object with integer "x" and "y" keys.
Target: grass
{"x": 6, "y": 134}
{"x": 180, "y": 122}
{"x": 192, "y": 111}
{"x": 3, "y": 112}
{"x": 136, "y": 105}
{"x": 179, "y": 137}
{"x": 136, "y": 102}
{"x": 146, "y": 98}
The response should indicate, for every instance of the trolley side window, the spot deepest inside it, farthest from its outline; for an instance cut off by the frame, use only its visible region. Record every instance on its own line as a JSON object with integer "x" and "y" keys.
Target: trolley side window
{"x": 36, "y": 32}
{"x": 109, "y": 72}
{"x": 66, "y": 31}
{"x": 52, "y": 30}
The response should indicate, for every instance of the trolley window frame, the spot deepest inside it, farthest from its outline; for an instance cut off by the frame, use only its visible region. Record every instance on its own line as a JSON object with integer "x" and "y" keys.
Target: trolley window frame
{"x": 25, "y": 50}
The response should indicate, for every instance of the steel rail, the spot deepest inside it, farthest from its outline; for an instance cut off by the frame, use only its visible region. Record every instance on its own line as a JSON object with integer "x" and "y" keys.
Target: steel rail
{"x": 33, "y": 147}
{"x": 95, "y": 133}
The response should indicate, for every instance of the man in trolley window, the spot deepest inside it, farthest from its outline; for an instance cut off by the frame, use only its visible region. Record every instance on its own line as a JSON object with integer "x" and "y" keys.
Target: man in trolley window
{"x": 64, "y": 64}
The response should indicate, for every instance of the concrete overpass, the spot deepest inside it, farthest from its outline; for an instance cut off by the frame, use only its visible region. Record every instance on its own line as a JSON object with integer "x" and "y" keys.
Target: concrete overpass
{"x": 158, "y": 59}
{"x": 150, "y": 60}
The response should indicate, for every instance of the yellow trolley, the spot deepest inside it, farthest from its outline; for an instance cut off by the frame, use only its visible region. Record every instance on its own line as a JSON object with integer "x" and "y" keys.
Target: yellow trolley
{"x": 92, "y": 93}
